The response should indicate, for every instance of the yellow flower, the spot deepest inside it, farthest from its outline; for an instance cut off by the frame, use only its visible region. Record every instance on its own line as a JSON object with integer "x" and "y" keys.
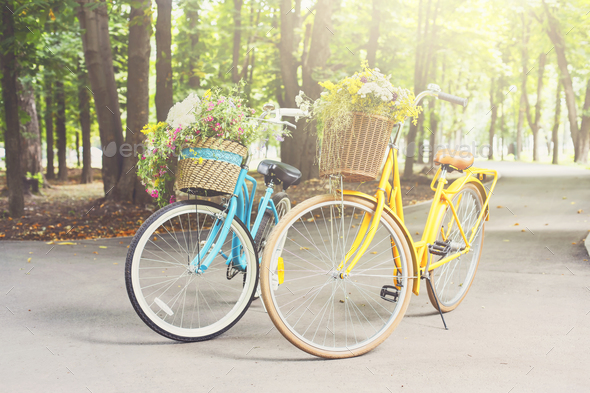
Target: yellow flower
{"x": 146, "y": 129}
{"x": 207, "y": 94}
{"x": 156, "y": 182}
{"x": 200, "y": 160}
{"x": 51, "y": 14}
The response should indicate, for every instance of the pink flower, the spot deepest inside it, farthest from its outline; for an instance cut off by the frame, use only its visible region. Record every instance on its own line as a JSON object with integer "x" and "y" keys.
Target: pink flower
{"x": 172, "y": 199}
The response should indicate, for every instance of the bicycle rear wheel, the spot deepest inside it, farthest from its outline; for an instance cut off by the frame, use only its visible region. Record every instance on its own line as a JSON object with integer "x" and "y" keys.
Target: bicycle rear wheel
{"x": 314, "y": 307}
{"x": 452, "y": 281}
{"x": 170, "y": 298}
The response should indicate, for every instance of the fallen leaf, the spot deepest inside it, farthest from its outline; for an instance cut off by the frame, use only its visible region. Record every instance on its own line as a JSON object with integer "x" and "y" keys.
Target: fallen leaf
{"x": 155, "y": 238}
{"x": 580, "y": 211}
{"x": 499, "y": 207}
{"x": 115, "y": 263}
{"x": 120, "y": 242}
{"x": 374, "y": 252}
{"x": 66, "y": 243}
{"x": 102, "y": 246}
{"x": 522, "y": 230}
{"x": 506, "y": 240}
{"x": 574, "y": 243}
{"x": 29, "y": 260}
{"x": 49, "y": 243}
{"x": 564, "y": 197}
{"x": 303, "y": 248}
{"x": 94, "y": 252}
{"x": 516, "y": 224}
{"x": 417, "y": 233}
{"x": 573, "y": 203}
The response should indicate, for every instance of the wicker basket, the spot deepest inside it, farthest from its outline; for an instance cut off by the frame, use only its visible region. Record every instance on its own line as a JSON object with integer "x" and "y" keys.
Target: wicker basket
{"x": 356, "y": 152}
{"x": 217, "y": 172}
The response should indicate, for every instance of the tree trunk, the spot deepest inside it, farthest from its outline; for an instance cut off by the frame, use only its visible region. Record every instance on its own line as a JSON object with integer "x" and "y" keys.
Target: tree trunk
{"x": 373, "y": 43}
{"x": 192, "y": 17}
{"x": 84, "y": 108}
{"x": 536, "y": 124}
{"x": 555, "y": 130}
{"x": 554, "y": 33}
{"x": 49, "y": 129}
{"x": 78, "y": 150}
{"x": 288, "y": 65}
{"x": 520, "y": 124}
{"x": 235, "y": 76}
{"x": 164, "y": 85}
{"x": 16, "y": 201}
{"x": 492, "y": 130}
{"x": 107, "y": 110}
{"x": 585, "y": 128}
{"x": 60, "y": 131}
{"x": 163, "y": 59}
{"x": 30, "y": 137}
{"x": 303, "y": 153}
{"x": 129, "y": 188}
{"x": 425, "y": 45}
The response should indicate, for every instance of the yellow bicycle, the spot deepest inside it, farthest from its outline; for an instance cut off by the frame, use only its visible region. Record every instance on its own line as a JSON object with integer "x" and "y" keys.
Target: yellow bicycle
{"x": 344, "y": 265}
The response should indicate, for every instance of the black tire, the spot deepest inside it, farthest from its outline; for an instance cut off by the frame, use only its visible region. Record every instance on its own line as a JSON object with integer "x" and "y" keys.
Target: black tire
{"x": 227, "y": 300}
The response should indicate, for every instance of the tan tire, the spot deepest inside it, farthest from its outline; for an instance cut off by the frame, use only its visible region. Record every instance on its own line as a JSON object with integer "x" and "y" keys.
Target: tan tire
{"x": 316, "y": 308}
{"x": 452, "y": 281}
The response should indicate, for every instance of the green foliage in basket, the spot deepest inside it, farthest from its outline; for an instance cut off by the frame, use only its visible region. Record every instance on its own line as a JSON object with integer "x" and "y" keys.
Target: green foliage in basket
{"x": 216, "y": 115}
{"x": 369, "y": 92}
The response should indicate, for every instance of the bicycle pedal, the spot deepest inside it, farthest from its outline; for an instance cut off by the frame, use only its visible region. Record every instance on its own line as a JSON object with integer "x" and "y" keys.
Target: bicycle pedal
{"x": 439, "y": 248}
{"x": 389, "y": 290}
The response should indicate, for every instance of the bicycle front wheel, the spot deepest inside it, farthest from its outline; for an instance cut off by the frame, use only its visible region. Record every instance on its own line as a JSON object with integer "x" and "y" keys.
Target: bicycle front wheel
{"x": 311, "y": 302}
{"x": 175, "y": 300}
{"x": 452, "y": 281}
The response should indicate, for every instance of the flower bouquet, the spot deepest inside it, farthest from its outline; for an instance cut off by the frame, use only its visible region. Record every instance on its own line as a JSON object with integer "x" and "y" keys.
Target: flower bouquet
{"x": 355, "y": 118}
{"x": 210, "y": 138}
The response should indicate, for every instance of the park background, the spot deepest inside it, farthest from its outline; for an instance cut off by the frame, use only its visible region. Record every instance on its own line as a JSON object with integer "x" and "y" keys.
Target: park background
{"x": 82, "y": 77}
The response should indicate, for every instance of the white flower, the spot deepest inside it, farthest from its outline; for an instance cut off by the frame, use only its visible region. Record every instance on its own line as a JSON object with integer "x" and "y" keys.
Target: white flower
{"x": 184, "y": 113}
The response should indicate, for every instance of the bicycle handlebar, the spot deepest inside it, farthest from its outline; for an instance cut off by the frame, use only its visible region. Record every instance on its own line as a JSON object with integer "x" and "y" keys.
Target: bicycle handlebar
{"x": 453, "y": 99}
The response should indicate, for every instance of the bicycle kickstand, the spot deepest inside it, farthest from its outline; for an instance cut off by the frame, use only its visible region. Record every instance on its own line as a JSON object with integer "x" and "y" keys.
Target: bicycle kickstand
{"x": 436, "y": 300}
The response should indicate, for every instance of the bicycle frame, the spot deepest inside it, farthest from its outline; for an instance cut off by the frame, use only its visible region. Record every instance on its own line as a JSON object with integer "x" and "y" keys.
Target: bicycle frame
{"x": 240, "y": 205}
{"x": 389, "y": 199}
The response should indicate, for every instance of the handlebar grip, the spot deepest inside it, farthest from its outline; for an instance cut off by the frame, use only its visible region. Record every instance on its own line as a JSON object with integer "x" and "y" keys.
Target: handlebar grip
{"x": 290, "y": 112}
{"x": 453, "y": 99}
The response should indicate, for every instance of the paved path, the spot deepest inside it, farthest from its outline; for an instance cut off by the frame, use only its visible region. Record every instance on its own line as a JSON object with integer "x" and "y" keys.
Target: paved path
{"x": 67, "y": 324}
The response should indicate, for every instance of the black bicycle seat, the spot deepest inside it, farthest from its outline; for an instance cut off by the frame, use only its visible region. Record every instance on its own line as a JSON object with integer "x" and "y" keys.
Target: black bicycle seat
{"x": 279, "y": 172}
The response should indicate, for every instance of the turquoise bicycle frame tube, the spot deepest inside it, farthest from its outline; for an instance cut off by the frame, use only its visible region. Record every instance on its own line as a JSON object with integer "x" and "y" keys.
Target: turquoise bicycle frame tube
{"x": 240, "y": 205}
{"x": 203, "y": 260}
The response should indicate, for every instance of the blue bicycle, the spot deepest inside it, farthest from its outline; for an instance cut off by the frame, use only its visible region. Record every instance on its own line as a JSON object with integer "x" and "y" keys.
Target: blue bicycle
{"x": 192, "y": 268}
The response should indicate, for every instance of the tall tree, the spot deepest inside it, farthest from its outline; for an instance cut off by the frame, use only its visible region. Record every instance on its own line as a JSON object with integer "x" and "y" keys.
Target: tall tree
{"x": 555, "y": 34}
{"x": 536, "y": 124}
{"x": 16, "y": 202}
{"x": 164, "y": 59}
{"x": 96, "y": 43}
{"x": 426, "y": 33}
{"x": 585, "y": 127}
{"x": 300, "y": 149}
{"x": 30, "y": 134}
{"x": 60, "y": 131}
{"x": 237, "y": 14}
{"x": 555, "y": 130}
{"x": 164, "y": 92}
{"x": 85, "y": 125}
{"x": 49, "y": 110}
{"x": 373, "y": 43}
{"x": 129, "y": 188}
{"x": 192, "y": 17}
{"x": 494, "y": 109}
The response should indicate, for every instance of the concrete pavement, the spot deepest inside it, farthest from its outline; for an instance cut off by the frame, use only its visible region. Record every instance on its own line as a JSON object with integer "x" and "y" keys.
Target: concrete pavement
{"x": 68, "y": 326}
